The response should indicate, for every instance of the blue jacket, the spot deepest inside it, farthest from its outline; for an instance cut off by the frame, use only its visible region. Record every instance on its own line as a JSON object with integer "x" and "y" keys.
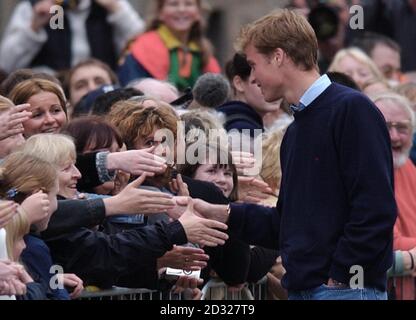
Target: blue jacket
{"x": 239, "y": 116}
{"x": 37, "y": 259}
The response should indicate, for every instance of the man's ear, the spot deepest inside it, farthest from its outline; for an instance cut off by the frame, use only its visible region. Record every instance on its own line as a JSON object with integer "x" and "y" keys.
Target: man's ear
{"x": 278, "y": 56}
{"x": 238, "y": 84}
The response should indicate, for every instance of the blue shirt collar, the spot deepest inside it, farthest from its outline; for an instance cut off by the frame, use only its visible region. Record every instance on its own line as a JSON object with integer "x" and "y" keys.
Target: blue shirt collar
{"x": 313, "y": 92}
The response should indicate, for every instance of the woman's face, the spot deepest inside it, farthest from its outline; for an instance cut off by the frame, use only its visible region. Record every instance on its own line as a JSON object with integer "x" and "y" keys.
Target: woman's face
{"x": 91, "y": 147}
{"x": 48, "y": 115}
{"x": 68, "y": 176}
{"x": 180, "y": 15}
{"x": 221, "y": 177}
{"x": 357, "y": 70}
{"x": 157, "y": 139}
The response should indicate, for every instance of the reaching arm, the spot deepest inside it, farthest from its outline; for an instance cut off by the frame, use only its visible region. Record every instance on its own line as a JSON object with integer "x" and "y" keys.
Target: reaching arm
{"x": 245, "y": 221}
{"x": 21, "y": 42}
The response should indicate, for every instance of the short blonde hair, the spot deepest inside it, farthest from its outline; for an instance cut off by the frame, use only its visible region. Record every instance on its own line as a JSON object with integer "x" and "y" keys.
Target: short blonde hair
{"x": 271, "y": 171}
{"x": 54, "y": 148}
{"x": 25, "y": 174}
{"x": 409, "y": 91}
{"x": 16, "y": 228}
{"x": 360, "y": 56}
{"x": 5, "y": 104}
{"x": 399, "y": 100}
{"x": 283, "y": 29}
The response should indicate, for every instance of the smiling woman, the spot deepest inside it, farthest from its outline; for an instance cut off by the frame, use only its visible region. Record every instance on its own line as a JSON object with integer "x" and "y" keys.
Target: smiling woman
{"x": 173, "y": 48}
{"x": 47, "y": 104}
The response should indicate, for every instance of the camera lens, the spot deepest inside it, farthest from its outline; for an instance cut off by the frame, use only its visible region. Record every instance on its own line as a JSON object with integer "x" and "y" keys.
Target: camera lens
{"x": 324, "y": 21}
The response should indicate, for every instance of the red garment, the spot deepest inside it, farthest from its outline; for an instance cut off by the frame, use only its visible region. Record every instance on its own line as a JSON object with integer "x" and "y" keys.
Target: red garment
{"x": 405, "y": 226}
{"x": 405, "y": 192}
{"x": 153, "y": 55}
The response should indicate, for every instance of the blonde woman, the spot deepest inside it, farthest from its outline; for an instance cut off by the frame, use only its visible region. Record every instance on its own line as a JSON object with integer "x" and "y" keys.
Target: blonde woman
{"x": 21, "y": 176}
{"x": 271, "y": 172}
{"x": 100, "y": 258}
{"x": 47, "y": 104}
{"x": 359, "y": 66}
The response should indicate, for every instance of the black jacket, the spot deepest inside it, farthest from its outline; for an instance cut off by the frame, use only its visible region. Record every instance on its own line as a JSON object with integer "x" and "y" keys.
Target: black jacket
{"x": 99, "y": 258}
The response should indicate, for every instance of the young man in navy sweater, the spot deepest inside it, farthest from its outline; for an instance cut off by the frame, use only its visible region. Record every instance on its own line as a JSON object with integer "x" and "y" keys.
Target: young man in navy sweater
{"x": 334, "y": 219}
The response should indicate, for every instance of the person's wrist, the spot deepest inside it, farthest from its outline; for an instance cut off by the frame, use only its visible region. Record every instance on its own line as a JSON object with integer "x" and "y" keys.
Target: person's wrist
{"x": 222, "y": 213}
{"x": 111, "y": 205}
{"x": 227, "y": 213}
{"x": 111, "y": 163}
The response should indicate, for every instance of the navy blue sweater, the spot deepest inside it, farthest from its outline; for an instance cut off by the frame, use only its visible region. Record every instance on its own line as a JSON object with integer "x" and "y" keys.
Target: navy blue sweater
{"x": 336, "y": 206}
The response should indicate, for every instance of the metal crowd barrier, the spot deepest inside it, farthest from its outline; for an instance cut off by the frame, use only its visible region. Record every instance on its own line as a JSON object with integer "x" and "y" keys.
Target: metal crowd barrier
{"x": 118, "y": 293}
{"x": 214, "y": 289}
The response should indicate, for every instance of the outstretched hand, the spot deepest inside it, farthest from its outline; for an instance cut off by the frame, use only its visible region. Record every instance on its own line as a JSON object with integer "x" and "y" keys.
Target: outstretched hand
{"x": 242, "y": 161}
{"x": 137, "y": 162}
{"x": 41, "y": 14}
{"x": 185, "y": 258}
{"x": 253, "y": 190}
{"x": 188, "y": 286}
{"x": 200, "y": 230}
{"x": 11, "y": 120}
{"x": 179, "y": 187}
{"x": 134, "y": 200}
{"x": 72, "y": 281}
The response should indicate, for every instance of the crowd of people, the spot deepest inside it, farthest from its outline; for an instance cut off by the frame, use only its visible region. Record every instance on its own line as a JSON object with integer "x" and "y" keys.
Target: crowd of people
{"x": 295, "y": 162}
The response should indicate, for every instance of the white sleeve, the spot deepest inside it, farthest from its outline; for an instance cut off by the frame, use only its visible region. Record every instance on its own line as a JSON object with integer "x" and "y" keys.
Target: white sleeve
{"x": 20, "y": 43}
{"x": 126, "y": 23}
{"x": 3, "y": 246}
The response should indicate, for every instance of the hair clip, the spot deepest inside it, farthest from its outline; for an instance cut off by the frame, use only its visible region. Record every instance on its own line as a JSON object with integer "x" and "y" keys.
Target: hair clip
{"x": 12, "y": 193}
